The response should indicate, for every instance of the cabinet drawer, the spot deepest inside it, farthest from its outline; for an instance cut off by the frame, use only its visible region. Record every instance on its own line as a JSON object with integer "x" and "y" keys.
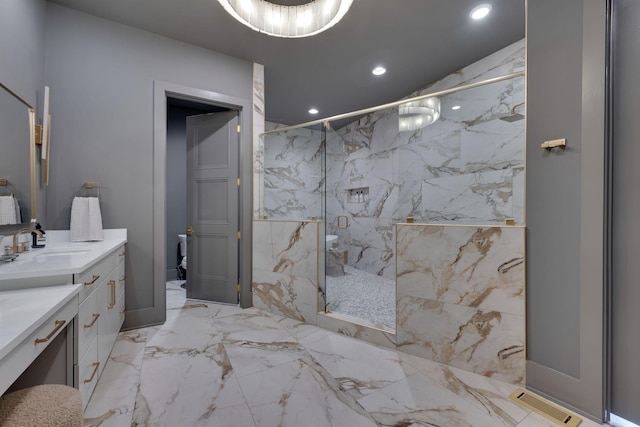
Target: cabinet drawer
{"x": 107, "y": 300}
{"x": 121, "y": 253}
{"x": 87, "y": 372}
{"x": 88, "y": 319}
{"x": 92, "y": 277}
{"x": 122, "y": 279}
{"x": 119, "y": 319}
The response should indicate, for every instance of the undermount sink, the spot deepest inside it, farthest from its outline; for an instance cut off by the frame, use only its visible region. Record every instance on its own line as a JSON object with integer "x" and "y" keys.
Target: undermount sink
{"x": 62, "y": 252}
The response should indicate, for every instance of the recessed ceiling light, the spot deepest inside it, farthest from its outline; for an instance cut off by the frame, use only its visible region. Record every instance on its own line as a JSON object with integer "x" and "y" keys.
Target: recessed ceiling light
{"x": 313, "y": 111}
{"x": 378, "y": 71}
{"x": 455, "y": 107}
{"x": 480, "y": 11}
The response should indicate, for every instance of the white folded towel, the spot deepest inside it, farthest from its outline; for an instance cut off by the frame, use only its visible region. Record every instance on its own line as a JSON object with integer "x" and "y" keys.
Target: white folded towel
{"x": 7, "y": 210}
{"x": 86, "y": 220}
{"x": 95, "y": 220}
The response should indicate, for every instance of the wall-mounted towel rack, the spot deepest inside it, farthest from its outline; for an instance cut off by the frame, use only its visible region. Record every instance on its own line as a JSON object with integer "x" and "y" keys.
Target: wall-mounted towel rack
{"x": 90, "y": 189}
{"x": 4, "y": 191}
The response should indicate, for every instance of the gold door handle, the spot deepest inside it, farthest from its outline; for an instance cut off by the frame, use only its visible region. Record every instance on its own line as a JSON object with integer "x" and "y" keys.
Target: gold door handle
{"x": 93, "y": 281}
{"x": 189, "y": 230}
{"x": 59, "y": 324}
{"x": 123, "y": 253}
{"x": 95, "y": 317}
{"x": 95, "y": 370}
{"x": 123, "y": 278}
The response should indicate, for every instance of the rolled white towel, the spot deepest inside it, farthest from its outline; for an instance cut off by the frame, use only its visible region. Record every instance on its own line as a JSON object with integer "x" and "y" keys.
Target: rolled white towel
{"x": 95, "y": 220}
{"x": 7, "y": 210}
{"x": 79, "y": 226}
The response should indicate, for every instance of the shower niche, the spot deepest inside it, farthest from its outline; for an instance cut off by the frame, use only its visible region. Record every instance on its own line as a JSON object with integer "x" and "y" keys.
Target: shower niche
{"x": 358, "y": 195}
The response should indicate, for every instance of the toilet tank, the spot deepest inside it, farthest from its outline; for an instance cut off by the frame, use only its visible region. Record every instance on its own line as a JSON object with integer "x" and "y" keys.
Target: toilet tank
{"x": 182, "y": 240}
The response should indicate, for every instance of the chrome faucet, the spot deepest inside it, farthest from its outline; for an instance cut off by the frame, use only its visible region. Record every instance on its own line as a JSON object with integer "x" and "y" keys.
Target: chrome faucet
{"x": 16, "y": 248}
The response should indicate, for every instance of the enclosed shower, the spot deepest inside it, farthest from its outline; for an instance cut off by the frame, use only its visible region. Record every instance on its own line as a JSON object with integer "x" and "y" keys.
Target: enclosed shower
{"x": 450, "y": 153}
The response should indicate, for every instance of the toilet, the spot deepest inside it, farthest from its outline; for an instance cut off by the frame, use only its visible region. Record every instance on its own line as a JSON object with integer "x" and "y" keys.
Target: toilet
{"x": 182, "y": 258}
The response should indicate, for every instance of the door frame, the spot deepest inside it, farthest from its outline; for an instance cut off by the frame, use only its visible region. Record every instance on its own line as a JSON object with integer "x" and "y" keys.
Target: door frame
{"x": 161, "y": 91}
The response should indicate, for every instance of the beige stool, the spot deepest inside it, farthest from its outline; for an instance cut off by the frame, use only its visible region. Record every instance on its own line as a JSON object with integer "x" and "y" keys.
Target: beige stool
{"x": 51, "y": 405}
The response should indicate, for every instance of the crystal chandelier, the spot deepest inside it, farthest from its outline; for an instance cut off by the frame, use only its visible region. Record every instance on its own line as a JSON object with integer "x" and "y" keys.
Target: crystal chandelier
{"x": 287, "y": 21}
{"x": 418, "y": 114}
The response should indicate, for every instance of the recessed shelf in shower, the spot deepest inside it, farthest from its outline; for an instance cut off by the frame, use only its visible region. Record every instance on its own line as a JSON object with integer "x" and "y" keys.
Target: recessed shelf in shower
{"x": 358, "y": 195}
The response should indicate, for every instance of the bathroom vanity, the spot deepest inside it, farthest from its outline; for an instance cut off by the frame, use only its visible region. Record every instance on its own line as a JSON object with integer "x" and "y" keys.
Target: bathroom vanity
{"x": 79, "y": 283}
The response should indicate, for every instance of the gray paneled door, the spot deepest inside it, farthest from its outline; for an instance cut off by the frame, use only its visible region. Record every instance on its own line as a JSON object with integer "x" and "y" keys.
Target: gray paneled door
{"x": 212, "y": 207}
{"x": 625, "y": 289}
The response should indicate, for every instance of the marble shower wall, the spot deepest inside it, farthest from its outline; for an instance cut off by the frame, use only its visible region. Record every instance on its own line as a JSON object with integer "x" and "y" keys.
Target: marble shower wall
{"x": 285, "y": 268}
{"x": 460, "y": 291}
{"x": 466, "y": 168}
{"x": 461, "y": 297}
{"x": 293, "y": 173}
{"x": 257, "y": 117}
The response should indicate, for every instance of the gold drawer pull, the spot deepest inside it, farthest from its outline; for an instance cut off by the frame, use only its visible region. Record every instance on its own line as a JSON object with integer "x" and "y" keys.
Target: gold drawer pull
{"x": 123, "y": 278}
{"x": 93, "y": 322}
{"x": 59, "y": 324}
{"x": 95, "y": 370}
{"x": 93, "y": 281}
{"x": 112, "y": 283}
{"x": 123, "y": 253}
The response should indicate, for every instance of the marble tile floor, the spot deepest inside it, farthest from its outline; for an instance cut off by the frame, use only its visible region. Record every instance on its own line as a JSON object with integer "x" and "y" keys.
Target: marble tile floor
{"x": 219, "y": 365}
{"x": 363, "y": 295}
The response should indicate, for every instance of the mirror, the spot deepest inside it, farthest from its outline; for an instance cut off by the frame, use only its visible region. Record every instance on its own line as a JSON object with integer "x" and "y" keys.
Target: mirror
{"x": 17, "y": 161}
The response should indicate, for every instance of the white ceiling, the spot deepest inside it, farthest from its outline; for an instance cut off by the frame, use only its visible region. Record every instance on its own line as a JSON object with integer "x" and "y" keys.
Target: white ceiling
{"x": 418, "y": 41}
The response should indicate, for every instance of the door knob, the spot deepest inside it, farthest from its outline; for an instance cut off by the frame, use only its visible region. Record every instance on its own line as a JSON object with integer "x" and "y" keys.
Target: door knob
{"x": 189, "y": 231}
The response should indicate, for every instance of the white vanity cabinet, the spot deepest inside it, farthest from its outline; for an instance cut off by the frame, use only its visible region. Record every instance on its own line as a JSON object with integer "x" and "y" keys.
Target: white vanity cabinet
{"x": 100, "y": 318}
{"x": 97, "y": 271}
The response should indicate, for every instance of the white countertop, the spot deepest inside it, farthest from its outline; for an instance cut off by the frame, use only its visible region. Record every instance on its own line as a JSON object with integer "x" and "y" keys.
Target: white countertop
{"x": 23, "y": 311}
{"x": 60, "y": 256}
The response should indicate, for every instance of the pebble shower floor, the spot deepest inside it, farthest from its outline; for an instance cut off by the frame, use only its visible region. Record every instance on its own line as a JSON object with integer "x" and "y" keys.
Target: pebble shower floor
{"x": 364, "y": 295}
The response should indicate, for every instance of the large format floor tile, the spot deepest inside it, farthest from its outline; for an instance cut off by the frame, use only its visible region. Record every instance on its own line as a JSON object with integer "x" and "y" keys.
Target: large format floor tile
{"x": 218, "y": 365}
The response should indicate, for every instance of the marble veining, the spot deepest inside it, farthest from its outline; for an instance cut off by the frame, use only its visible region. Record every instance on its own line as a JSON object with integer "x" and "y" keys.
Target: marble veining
{"x": 287, "y": 247}
{"x": 251, "y": 368}
{"x": 469, "y": 289}
{"x": 285, "y": 268}
{"x": 465, "y": 168}
{"x": 258, "y": 122}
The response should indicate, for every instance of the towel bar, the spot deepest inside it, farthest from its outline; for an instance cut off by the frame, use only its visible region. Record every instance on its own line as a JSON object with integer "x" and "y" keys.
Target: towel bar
{"x": 91, "y": 185}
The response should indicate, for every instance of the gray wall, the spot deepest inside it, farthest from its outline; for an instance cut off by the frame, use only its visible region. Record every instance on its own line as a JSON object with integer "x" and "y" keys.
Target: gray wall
{"x": 565, "y": 201}
{"x": 101, "y": 76}
{"x": 22, "y": 43}
{"x": 22, "y": 49}
{"x": 625, "y": 364}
